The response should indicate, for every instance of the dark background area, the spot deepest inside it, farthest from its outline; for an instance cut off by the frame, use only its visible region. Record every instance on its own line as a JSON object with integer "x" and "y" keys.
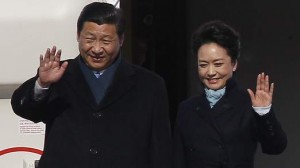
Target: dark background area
{"x": 158, "y": 38}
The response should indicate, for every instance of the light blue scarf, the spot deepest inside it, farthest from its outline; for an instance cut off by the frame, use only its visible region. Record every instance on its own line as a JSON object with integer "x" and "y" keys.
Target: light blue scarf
{"x": 213, "y": 96}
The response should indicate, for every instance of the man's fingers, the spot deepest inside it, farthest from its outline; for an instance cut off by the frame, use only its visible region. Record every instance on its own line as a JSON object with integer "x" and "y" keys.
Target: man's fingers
{"x": 52, "y": 53}
{"x": 64, "y": 65}
{"x": 57, "y": 56}
{"x": 41, "y": 60}
{"x": 47, "y": 55}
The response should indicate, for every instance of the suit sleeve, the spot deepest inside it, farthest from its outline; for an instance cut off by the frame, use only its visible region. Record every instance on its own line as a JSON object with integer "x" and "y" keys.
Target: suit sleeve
{"x": 271, "y": 136}
{"x": 161, "y": 130}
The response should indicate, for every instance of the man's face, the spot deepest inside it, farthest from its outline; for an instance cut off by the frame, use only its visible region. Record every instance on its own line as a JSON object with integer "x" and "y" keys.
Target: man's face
{"x": 215, "y": 66}
{"x": 99, "y": 45}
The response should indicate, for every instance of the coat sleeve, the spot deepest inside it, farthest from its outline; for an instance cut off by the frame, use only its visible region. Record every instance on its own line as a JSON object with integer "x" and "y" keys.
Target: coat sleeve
{"x": 24, "y": 105}
{"x": 271, "y": 136}
{"x": 161, "y": 130}
{"x": 178, "y": 157}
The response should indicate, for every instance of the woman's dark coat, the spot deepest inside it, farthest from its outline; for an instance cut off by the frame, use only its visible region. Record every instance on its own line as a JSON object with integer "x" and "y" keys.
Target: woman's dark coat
{"x": 225, "y": 136}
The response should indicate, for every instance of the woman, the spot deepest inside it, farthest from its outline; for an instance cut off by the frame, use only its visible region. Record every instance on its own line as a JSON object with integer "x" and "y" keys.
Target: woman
{"x": 222, "y": 126}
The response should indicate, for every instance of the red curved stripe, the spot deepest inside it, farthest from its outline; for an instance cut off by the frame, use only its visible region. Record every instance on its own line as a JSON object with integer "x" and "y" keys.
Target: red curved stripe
{"x": 20, "y": 149}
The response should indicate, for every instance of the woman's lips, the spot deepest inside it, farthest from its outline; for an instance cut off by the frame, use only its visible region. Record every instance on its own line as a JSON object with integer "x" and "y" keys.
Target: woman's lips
{"x": 213, "y": 80}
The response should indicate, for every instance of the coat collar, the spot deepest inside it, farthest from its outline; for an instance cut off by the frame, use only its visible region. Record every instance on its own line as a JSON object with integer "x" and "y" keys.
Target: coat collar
{"x": 122, "y": 81}
{"x": 222, "y": 106}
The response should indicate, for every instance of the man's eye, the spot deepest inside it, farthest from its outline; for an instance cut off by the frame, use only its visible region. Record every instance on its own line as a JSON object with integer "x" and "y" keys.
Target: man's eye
{"x": 106, "y": 41}
{"x": 89, "y": 40}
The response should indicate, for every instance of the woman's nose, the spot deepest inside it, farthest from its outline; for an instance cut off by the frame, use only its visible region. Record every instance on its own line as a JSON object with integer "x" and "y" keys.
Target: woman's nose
{"x": 211, "y": 70}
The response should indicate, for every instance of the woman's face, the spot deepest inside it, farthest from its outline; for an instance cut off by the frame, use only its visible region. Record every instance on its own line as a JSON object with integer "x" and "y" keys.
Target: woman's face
{"x": 215, "y": 66}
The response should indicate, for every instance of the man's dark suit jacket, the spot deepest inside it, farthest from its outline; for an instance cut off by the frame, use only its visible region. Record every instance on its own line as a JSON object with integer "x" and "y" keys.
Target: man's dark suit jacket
{"x": 225, "y": 136}
{"x": 129, "y": 128}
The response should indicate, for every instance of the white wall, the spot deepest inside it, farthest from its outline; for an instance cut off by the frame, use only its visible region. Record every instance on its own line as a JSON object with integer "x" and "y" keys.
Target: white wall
{"x": 15, "y": 133}
{"x": 28, "y": 27}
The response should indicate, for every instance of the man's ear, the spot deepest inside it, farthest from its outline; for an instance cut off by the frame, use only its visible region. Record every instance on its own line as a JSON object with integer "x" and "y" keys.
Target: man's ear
{"x": 121, "y": 39}
{"x": 78, "y": 34}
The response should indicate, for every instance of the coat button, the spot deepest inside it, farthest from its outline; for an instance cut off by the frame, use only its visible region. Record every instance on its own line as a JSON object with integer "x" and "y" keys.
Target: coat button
{"x": 226, "y": 106}
{"x": 94, "y": 151}
{"x": 268, "y": 122}
{"x": 220, "y": 147}
{"x": 22, "y": 100}
{"x": 97, "y": 115}
{"x": 270, "y": 128}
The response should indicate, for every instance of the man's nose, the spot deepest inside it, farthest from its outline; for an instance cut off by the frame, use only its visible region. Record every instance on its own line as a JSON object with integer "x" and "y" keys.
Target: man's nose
{"x": 97, "y": 47}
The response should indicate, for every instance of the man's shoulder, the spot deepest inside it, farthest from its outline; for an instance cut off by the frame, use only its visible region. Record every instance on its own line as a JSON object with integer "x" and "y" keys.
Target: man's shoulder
{"x": 71, "y": 60}
{"x": 144, "y": 73}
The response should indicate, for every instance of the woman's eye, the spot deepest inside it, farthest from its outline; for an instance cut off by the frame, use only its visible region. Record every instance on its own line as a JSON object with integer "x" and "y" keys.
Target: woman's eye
{"x": 218, "y": 64}
{"x": 202, "y": 65}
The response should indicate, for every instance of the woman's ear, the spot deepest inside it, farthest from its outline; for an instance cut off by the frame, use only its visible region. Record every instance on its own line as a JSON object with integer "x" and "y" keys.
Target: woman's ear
{"x": 235, "y": 66}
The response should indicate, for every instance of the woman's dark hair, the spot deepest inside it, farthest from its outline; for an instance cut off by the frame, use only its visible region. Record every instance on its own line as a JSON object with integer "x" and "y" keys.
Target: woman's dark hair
{"x": 220, "y": 33}
{"x": 101, "y": 13}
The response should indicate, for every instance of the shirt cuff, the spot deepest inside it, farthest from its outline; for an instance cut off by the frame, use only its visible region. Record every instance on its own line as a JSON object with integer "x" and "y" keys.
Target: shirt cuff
{"x": 39, "y": 91}
{"x": 262, "y": 110}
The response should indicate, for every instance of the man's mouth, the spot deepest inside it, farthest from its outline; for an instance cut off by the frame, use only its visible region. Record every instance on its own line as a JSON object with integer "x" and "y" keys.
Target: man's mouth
{"x": 97, "y": 58}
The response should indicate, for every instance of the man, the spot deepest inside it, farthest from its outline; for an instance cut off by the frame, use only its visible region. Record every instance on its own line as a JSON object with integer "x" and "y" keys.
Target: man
{"x": 99, "y": 110}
